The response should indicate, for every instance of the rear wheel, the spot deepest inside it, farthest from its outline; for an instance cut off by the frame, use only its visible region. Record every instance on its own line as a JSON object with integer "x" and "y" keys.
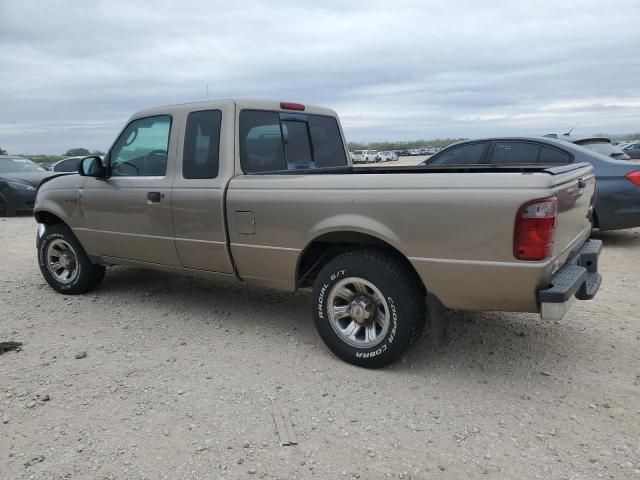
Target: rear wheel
{"x": 64, "y": 264}
{"x": 368, "y": 307}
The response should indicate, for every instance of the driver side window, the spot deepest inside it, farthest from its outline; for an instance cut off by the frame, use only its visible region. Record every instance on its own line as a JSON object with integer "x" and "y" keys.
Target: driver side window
{"x": 141, "y": 150}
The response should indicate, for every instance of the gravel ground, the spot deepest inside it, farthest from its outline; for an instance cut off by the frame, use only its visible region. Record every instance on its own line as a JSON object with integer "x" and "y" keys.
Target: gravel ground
{"x": 181, "y": 375}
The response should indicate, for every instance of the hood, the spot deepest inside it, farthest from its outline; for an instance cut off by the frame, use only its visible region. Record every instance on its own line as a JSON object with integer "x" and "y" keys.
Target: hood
{"x": 30, "y": 178}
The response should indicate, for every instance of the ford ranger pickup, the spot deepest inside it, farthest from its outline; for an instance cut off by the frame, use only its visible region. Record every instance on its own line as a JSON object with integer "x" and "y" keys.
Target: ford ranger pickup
{"x": 264, "y": 192}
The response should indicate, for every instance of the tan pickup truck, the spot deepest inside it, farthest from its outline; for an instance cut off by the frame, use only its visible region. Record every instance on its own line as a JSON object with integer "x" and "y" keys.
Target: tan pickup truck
{"x": 263, "y": 192}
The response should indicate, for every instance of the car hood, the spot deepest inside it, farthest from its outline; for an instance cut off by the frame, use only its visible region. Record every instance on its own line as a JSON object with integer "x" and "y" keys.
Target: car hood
{"x": 30, "y": 178}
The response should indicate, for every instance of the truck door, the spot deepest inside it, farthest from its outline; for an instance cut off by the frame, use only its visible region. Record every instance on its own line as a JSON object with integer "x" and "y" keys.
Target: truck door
{"x": 128, "y": 215}
{"x": 205, "y": 165}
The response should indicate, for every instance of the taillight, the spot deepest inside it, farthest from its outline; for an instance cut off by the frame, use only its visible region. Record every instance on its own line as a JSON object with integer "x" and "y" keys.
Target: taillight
{"x": 634, "y": 177}
{"x": 535, "y": 229}
{"x": 291, "y": 106}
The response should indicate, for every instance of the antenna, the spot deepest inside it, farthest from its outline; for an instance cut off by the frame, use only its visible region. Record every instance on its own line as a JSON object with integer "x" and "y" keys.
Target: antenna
{"x": 207, "y": 91}
{"x": 571, "y": 130}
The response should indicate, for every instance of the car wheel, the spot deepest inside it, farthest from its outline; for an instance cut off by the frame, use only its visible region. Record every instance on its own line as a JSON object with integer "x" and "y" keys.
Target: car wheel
{"x": 64, "y": 263}
{"x": 368, "y": 307}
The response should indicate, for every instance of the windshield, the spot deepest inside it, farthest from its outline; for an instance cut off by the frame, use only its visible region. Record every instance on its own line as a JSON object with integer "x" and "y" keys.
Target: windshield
{"x": 18, "y": 165}
{"x": 605, "y": 148}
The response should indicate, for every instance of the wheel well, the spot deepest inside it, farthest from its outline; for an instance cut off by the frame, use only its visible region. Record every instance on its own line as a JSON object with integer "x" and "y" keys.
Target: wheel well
{"x": 47, "y": 218}
{"x": 328, "y": 246}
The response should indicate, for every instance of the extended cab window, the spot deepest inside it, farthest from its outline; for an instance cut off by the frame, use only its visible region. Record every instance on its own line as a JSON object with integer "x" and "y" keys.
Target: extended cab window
{"x": 272, "y": 141}
{"x": 141, "y": 150}
{"x": 200, "y": 159}
{"x": 467, "y": 154}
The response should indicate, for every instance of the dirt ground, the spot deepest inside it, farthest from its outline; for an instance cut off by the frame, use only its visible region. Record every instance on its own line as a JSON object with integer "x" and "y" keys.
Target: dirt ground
{"x": 181, "y": 376}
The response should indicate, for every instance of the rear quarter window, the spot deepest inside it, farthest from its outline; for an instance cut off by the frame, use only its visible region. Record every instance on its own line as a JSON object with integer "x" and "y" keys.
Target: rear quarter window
{"x": 200, "y": 158}
{"x": 550, "y": 155}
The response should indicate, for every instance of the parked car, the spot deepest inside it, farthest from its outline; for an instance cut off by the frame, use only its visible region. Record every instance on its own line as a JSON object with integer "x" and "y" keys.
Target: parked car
{"x": 365, "y": 156}
{"x": 617, "y": 202}
{"x": 264, "y": 192}
{"x": 601, "y": 145}
{"x": 632, "y": 149}
{"x": 387, "y": 156}
{"x": 46, "y": 165}
{"x": 67, "y": 165}
{"x": 19, "y": 180}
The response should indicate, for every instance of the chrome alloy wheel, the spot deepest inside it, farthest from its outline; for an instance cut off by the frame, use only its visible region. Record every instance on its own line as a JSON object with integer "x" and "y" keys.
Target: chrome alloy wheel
{"x": 358, "y": 312}
{"x": 61, "y": 261}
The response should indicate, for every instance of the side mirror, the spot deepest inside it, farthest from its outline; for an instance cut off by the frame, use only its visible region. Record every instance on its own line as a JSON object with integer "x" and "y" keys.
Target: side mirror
{"x": 92, "y": 167}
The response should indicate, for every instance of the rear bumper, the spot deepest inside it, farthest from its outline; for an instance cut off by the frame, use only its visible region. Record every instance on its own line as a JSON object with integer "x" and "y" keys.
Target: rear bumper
{"x": 577, "y": 279}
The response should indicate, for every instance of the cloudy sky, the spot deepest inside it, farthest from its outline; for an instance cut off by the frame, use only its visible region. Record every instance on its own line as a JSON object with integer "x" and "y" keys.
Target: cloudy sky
{"x": 71, "y": 72}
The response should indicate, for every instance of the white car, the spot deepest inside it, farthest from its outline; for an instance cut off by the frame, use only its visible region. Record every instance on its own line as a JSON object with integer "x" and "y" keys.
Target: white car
{"x": 387, "y": 156}
{"x": 365, "y": 156}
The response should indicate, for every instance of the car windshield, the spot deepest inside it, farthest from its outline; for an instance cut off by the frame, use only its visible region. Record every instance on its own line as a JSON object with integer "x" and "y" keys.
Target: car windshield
{"x": 18, "y": 165}
{"x": 603, "y": 147}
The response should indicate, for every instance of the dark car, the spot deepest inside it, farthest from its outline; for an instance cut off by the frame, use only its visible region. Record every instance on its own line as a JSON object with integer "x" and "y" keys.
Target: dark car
{"x": 618, "y": 189}
{"x": 633, "y": 150}
{"x": 19, "y": 180}
{"x": 67, "y": 165}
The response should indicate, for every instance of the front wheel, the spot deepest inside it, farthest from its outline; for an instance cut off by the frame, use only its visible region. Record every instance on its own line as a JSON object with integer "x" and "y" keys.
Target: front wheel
{"x": 64, "y": 264}
{"x": 368, "y": 307}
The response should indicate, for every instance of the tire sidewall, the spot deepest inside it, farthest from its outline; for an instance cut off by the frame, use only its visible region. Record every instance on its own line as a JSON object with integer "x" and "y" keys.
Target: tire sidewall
{"x": 52, "y": 233}
{"x": 399, "y": 333}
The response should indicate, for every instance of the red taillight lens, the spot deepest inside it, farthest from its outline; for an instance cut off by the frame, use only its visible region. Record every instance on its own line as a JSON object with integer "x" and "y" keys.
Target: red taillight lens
{"x": 535, "y": 229}
{"x": 634, "y": 177}
{"x": 291, "y": 106}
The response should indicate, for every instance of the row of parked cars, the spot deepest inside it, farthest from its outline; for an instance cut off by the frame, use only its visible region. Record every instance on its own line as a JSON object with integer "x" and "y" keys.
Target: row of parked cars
{"x": 373, "y": 156}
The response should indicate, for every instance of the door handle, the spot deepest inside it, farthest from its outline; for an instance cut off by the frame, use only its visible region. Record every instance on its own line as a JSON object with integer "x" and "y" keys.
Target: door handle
{"x": 581, "y": 183}
{"x": 155, "y": 197}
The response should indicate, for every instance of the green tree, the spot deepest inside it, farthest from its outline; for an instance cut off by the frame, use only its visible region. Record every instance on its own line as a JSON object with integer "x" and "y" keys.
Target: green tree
{"x": 77, "y": 152}
{"x": 3, "y": 152}
{"x": 98, "y": 152}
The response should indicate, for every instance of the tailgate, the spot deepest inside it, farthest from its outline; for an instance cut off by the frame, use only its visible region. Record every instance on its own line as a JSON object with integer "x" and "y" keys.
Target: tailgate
{"x": 574, "y": 187}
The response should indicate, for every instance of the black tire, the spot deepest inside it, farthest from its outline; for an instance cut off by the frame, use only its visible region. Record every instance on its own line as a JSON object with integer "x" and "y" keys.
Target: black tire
{"x": 403, "y": 295}
{"x": 88, "y": 275}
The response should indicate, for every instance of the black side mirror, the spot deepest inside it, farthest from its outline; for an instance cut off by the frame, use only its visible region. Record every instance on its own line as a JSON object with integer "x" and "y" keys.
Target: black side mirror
{"x": 92, "y": 167}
